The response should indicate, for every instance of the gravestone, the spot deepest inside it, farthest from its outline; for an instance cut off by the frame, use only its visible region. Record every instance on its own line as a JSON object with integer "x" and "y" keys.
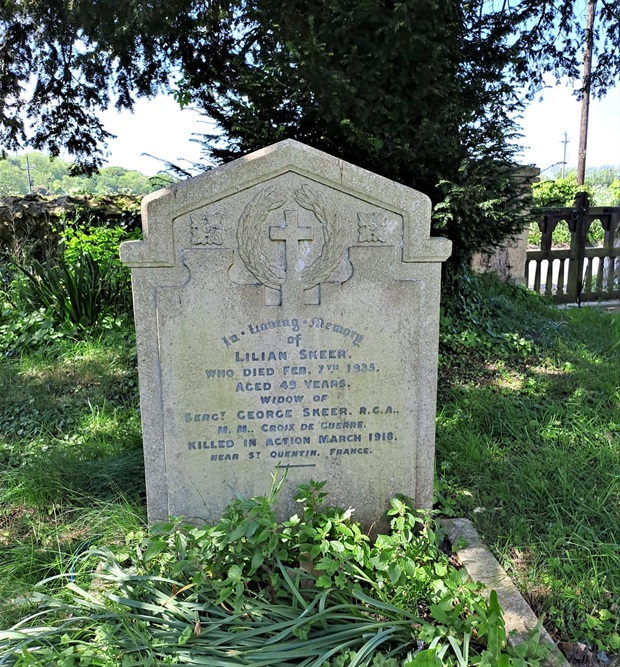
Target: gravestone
{"x": 286, "y": 310}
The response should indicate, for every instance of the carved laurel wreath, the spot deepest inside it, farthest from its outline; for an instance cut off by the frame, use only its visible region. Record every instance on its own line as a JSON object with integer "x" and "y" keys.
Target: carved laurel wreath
{"x": 250, "y": 238}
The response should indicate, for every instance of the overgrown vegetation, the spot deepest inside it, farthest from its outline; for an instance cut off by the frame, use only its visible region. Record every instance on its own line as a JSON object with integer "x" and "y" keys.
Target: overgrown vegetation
{"x": 71, "y": 471}
{"x": 309, "y": 591}
{"x": 80, "y": 285}
{"x": 528, "y": 444}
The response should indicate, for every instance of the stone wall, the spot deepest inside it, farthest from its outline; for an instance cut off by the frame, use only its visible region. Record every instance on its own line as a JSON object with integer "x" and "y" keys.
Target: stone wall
{"x": 31, "y": 222}
{"x": 508, "y": 261}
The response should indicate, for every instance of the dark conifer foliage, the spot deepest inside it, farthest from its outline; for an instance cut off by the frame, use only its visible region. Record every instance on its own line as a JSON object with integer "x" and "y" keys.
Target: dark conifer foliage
{"x": 421, "y": 91}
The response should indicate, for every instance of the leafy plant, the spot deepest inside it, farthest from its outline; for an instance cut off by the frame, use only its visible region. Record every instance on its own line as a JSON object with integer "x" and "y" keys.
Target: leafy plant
{"x": 51, "y": 175}
{"x": 86, "y": 234}
{"x": 472, "y": 320}
{"x": 250, "y": 590}
{"x": 83, "y": 286}
{"x": 80, "y": 292}
{"x": 559, "y": 192}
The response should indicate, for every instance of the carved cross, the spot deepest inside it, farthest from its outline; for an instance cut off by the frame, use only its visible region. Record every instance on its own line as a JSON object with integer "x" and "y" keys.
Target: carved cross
{"x": 292, "y": 233}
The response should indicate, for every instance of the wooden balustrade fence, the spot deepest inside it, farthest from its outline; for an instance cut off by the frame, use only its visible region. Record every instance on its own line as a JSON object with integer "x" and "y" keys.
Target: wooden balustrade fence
{"x": 581, "y": 272}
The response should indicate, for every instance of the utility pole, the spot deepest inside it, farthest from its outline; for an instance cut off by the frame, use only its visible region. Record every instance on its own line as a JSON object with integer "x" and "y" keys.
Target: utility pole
{"x": 566, "y": 141}
{"x": 585, "y": 100}
{"x": 27, "y": 169}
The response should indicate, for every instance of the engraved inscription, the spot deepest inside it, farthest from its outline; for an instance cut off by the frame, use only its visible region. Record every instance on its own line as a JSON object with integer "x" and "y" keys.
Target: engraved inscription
{"x": 298, "y": 404}
{"x": 295, "y": 325}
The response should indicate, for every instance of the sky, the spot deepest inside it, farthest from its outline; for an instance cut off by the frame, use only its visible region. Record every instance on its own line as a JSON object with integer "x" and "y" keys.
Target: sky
{"x": 158, "y": 127}
{"x": 161, "y": 128}
{"x": 544, "y": 123}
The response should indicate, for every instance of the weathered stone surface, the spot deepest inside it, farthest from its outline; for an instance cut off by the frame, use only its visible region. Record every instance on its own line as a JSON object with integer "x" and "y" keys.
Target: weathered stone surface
{"x": 286, "y": 311}
{"x": 508, "y": 261}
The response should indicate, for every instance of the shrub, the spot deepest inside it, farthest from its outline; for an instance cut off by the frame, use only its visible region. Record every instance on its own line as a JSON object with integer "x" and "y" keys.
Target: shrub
{"x": 78, "y": 291}
{"x": 83, "y": 286}
{"x": 560, "y": 192}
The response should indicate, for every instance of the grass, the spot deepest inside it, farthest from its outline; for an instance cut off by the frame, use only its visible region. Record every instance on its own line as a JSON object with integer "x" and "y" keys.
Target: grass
{"x": 71, "y": 472}
{"x": 528, "y": 447}
{"x": 530, "y": 451}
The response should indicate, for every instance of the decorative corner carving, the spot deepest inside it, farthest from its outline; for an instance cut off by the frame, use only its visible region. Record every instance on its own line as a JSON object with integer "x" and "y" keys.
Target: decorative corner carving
{"x": 206, "y": 230}
{"x": 371, "y": 227}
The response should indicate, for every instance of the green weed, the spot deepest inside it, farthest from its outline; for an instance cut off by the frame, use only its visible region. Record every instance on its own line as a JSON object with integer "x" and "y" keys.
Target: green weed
{"x": 309, "y": 591}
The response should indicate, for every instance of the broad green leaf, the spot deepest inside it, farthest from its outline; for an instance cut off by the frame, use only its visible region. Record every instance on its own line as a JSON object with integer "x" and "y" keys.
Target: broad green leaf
{"x": 439, "y": 614}
{"x": 338, "y": 547}
{"x": 394, "y": 573}
{"x": 257, "y": 560}
{"x": 344, "y": 530}
{"x": 426, "y": 658}
{"x": 154, "y": 548}
{"x": 323, "y": 581}
{"x": 441, "y": 569}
